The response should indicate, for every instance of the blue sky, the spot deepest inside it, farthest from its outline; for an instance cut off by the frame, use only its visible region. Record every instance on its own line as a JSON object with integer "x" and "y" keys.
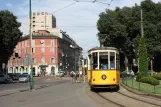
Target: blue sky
{"x": 78, "y": 20}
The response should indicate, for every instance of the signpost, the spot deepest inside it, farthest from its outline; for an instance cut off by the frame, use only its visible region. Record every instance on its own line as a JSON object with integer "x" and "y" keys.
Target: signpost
{"x": 3, "y": 66}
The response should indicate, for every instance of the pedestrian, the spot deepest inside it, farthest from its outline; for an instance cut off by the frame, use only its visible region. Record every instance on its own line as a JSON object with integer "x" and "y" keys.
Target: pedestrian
{"x": 72, "y": 76}
{"x": 77, "y": 77}
{"x": 80, "y": 74}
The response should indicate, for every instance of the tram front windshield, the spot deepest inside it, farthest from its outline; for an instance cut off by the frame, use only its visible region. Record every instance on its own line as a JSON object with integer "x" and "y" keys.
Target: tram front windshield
{"x": 104, "y": 61}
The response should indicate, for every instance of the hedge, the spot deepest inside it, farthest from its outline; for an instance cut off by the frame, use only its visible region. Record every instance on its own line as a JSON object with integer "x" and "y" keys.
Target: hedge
{"x": 157, "y": 76}
{"x": 123, "y": 74}
{"x": 149, "y": 80}
{"x": 139, "y": 76}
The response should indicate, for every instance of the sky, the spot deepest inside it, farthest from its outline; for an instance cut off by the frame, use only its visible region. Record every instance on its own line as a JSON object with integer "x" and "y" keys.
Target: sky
{"x": 78, "y": 19}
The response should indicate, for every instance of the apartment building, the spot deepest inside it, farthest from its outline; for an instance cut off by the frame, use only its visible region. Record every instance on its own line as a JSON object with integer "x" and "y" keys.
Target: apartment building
{"x": 42, "y": 21}
{"x": 53, "y": 50}
{"x": 50, "y": 54}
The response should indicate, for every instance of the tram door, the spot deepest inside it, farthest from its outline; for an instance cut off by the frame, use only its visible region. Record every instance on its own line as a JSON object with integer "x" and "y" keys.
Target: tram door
{"x": 89, "y": 70}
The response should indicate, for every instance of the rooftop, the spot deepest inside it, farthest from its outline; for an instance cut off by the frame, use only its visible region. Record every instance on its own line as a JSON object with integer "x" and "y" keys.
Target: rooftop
{"x": 102, "y": 48}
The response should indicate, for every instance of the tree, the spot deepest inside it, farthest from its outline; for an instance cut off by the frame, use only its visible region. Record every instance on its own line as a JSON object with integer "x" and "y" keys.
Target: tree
{"x": 143, "y": 59}
{"x": 122, "y": 28}
{"x": 9, "y": 35}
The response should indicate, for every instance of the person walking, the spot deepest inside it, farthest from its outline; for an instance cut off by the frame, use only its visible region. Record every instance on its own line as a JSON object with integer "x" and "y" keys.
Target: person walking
{"x": 72, "y": 76}
{"x": 77, "y": 77}
{"x": 80, "y": 75}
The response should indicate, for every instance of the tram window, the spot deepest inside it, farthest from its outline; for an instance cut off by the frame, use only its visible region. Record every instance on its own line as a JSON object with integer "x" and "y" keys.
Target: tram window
{"x": 112, "y": 60}
{"x": 103, "y": 60}
{"x": 89, "y": 62}
{"x": 117, "y": 61}
{"x": 95, "y": 60}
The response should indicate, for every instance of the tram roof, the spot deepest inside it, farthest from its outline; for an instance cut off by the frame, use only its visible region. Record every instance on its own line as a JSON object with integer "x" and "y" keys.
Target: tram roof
{"x": 102, "y": 48}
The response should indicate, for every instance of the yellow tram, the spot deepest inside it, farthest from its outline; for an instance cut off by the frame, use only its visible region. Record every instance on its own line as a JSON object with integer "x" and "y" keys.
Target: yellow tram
{"x": 103, "y": 68}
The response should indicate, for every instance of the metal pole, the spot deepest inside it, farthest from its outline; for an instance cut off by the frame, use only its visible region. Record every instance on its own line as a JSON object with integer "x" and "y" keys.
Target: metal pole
{"x": 74, "y": 60}
{"x": 138, "y": 64}
{"x": 31, "y": 73}
{"x": 151, "y": 65}
{"x": 142, "y": 32}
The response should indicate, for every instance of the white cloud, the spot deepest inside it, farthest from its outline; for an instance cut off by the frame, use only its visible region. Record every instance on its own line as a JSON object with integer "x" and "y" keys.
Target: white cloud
{"x": 73, "y": 18}
{"x": 9, "y": 5}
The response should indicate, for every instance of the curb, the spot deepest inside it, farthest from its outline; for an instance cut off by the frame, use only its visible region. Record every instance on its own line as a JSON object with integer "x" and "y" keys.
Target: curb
{"x": 138, "y": 92}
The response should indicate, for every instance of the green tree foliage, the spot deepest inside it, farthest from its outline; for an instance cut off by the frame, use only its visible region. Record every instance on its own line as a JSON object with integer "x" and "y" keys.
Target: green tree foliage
{"x": 143, "y": 59}
{"x": 122, "y": 28}
{"x": 9, "y": 35}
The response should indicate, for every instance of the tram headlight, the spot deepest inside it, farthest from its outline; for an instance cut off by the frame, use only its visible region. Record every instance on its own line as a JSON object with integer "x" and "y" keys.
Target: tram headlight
{"x": 104, "y": 77}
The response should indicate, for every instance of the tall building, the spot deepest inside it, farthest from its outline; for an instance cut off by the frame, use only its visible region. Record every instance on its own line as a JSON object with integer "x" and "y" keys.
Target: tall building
{"x": 53, "y": 50}
{"x": 42, "y": 21}
{"x": 50, "y": 54}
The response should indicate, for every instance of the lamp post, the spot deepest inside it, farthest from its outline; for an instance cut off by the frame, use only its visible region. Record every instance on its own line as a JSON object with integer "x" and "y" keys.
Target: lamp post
{"x": 31, "y": 73}
{"x": 151, "y": 63}
{"x": 74, "y": 60}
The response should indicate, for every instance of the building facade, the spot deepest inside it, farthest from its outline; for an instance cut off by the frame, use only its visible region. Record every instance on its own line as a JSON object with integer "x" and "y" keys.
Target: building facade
{"x": 42, "y": 21}
{"x": 50, "y": 54}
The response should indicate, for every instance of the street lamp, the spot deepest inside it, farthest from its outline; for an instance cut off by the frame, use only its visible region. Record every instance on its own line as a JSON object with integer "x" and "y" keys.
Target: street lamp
{"x": 151, "y": 63}
{"x": 31, "y": 74}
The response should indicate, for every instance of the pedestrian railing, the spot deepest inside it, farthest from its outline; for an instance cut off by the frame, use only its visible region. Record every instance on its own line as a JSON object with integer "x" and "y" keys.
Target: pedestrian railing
{"x": 131, "y": 82}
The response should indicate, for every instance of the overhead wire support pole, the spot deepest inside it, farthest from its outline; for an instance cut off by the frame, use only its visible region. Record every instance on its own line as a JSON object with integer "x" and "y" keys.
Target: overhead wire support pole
{"x": 31, "y": 66}
{"x": 142, "y": 32}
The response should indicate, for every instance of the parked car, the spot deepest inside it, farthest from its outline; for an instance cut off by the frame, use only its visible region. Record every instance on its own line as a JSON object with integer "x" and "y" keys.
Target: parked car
{"x": 61, "y": 74}
{"x": 9, "y": 79}
{"x": 24, "y": 78}
{"x": 5, "y": 78}
{"x": 25, "y": 74}
{"x": 13, "y": 76}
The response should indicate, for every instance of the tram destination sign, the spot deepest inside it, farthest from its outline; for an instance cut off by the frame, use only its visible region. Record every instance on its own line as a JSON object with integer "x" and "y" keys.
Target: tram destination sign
{"x": 103, "y": 53}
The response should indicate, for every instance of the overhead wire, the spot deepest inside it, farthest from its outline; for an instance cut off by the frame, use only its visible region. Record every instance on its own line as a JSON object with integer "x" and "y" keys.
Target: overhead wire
{"x": 82, "y": 19}
{"x": 109, "y": 4}
{"x": 64, "y": 7}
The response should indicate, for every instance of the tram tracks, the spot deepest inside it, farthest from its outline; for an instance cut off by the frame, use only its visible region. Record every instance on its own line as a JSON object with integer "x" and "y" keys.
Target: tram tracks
{"x": 113, "y": 102}
{"x": 139, "y": 99}
{"x": 127, "y": 96}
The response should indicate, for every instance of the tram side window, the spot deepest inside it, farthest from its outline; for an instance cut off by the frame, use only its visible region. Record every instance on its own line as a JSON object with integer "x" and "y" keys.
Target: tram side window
{"x": 95, "y": 60}
{"x": 112, "y": 60}
{"x": 103, "y": 60}
{"x": 117, "y": 61}
{"x": 89, "y": 62}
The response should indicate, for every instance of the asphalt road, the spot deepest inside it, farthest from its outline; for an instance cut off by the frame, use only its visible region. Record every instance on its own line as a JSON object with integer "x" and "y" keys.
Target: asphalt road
{"x": 61, "y": 94}
{"x": 16, "y": 85}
